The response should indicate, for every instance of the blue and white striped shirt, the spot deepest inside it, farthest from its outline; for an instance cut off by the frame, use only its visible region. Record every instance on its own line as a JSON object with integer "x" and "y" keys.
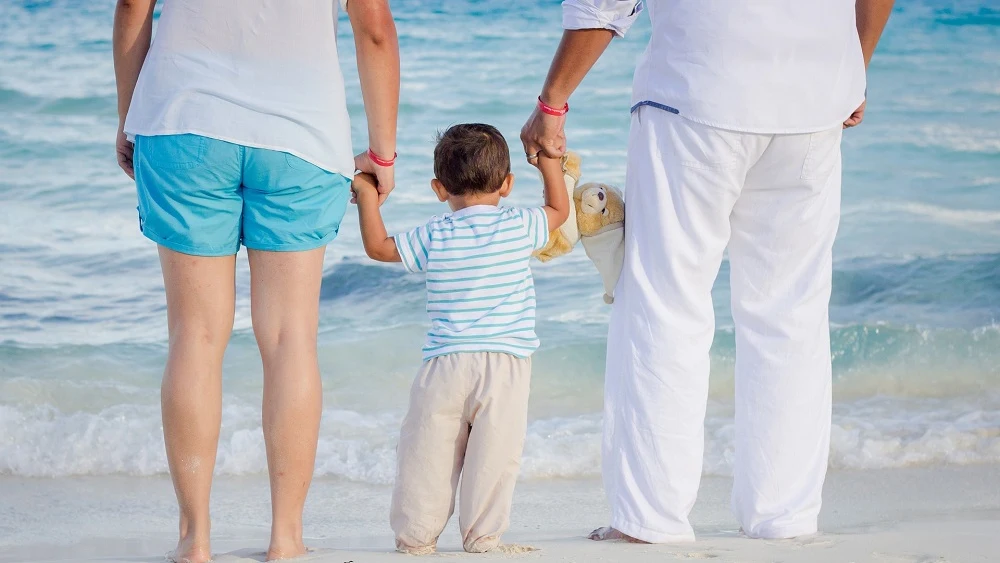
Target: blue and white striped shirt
{"x": 480, "y": 294}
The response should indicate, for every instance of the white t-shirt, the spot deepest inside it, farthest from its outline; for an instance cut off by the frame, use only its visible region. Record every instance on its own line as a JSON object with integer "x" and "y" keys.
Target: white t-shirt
{"x": 261, "y": 73}
{"x": 758, "y": 66}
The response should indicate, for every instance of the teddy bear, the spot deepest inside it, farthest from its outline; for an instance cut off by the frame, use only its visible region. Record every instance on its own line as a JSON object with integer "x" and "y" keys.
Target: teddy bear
{"x": 597, "y": 218}
{"x": 563, "y": 239}
{"x": 600, "y": 218}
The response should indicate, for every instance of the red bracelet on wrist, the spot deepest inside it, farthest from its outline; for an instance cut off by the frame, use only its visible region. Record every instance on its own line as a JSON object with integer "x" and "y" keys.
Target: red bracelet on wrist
{"x": 551, "y": 110}
{"x": 379, "y": 161}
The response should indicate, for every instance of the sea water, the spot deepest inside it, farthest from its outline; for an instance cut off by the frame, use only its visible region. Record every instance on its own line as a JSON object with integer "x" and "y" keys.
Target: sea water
{"x": 916, "y": 298}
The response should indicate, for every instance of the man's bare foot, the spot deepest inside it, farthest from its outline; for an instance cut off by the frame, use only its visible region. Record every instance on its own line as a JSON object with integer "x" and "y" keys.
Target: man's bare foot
{"x": 190, "y": 551}
{"x": 608, "y": 533}
{"x": 285, "y": 549}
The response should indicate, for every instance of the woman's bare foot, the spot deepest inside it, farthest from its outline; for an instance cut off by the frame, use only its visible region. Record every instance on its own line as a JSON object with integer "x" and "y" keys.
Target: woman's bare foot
{"x": 285, "y": 549}
{"x": 608, "y": 533}
{"x": 189, "y": 550}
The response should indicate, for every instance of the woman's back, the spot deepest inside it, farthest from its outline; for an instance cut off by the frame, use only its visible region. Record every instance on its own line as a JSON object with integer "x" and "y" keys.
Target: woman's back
{"x": 261, "y": 73}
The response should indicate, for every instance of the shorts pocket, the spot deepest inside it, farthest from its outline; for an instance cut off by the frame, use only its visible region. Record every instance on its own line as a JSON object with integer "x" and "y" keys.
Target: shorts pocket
{"x": 172, "y": 152}
{"x": 822, "y": 154}
{"x": 296, "y": 163}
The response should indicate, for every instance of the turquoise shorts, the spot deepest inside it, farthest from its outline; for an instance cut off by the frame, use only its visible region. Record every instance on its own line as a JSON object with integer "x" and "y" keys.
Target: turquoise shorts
{"x": 205, "y": 197}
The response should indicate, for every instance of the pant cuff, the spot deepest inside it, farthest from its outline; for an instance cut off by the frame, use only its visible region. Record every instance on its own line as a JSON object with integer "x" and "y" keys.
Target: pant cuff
{"x": 415, "y": 550}
{"x": 768, "y": 532}
{"x": 482, "y": 545}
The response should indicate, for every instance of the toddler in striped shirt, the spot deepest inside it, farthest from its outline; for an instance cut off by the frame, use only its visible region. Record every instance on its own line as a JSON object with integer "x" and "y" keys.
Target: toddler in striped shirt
{"x": 469, "y": 403}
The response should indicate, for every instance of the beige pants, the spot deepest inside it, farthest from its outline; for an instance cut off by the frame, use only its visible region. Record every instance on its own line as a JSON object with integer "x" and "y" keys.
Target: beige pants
{"x": 468, "y": 415}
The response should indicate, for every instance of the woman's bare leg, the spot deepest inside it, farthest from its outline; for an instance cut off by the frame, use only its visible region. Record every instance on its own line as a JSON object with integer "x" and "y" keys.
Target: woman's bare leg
{"x": 200, "y": 308}
{"x": 284, "y": 291}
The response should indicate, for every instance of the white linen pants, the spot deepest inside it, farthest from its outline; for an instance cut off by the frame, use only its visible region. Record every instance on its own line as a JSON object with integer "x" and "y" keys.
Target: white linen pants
{"x": 468, "y": 416}
{"x": 774, "y": 200}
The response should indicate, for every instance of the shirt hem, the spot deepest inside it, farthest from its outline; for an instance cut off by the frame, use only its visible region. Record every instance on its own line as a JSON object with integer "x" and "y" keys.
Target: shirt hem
{"x": 131, "y": 133}
{"x": 477, "y": 350}
{"x": 741, "y": 128}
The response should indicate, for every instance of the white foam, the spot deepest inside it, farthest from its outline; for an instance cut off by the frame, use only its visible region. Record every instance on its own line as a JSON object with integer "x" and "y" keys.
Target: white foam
{"x": 40, "y": 441}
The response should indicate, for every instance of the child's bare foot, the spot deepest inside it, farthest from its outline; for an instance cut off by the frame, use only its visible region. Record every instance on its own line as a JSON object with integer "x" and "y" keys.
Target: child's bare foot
{"x": 608, "y": 533}
{"x": 190, "y": 550}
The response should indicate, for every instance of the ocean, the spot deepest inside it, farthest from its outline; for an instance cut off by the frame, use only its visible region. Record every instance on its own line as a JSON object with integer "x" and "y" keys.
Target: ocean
{"x": 915, "y": 307}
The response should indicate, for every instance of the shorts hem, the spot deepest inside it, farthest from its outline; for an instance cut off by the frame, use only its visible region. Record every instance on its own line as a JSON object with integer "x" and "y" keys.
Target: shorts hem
{"x": 186, "y": 249}
{"x": 292, "y": 247}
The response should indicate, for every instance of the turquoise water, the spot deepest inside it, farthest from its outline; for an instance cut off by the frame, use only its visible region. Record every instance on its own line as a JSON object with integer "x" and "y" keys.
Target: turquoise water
{"x": 916, "y": 302}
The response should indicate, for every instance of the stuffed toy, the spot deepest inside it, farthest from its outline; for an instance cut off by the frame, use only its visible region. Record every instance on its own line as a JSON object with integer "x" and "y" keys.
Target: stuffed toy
{"x": 563, "y": 239}
{"x": 600, "y": 218}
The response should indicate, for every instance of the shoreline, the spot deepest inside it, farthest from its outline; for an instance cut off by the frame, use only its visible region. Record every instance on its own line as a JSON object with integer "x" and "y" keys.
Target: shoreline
{"x": 942, "y": 514}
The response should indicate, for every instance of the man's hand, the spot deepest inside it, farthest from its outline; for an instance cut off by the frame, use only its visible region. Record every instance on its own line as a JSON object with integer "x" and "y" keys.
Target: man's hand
{"x": 577, "y": 53}
{"x": 856, "y": 117}
{"x": 385, "y": 176}
{"x": 544, "y": 133}
{"x": 125, "y": 149}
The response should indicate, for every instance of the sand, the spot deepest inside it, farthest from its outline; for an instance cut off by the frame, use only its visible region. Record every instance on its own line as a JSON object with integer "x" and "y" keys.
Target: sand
{"x": 949, "y": 514}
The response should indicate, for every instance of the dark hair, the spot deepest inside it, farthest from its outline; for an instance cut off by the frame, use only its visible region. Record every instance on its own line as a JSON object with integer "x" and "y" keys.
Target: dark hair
{"x": 471, "y": 158}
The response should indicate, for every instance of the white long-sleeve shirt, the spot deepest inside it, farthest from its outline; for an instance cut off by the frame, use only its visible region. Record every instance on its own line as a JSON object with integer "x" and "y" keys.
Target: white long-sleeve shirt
{"x": 258, "y": 73}
{"x": 758, "y": 66}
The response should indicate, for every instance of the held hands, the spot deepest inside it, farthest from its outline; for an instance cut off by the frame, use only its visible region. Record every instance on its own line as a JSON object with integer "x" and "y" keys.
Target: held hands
{"x": 544, "y": 132}
{"x": 385, "y": 176}
{"x": 364, "y": 189}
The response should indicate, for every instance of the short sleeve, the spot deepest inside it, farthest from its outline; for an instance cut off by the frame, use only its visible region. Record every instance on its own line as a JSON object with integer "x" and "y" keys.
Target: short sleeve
{"x": 615, "y": 15}
{"x": 412, "y": 247}
{"x": 537, "y": 223}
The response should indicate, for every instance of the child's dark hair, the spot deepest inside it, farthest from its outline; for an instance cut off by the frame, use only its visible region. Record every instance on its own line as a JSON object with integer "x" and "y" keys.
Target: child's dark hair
{"x": 471, "y": 158}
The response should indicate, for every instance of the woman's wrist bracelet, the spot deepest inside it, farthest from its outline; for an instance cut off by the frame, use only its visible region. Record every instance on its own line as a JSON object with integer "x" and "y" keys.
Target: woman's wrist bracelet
{"x": 379, "y": 161}
{"x": 558, "y": 112}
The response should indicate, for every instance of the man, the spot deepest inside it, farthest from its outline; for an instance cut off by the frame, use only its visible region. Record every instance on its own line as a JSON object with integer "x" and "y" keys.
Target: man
{"x": 737, "y": 114}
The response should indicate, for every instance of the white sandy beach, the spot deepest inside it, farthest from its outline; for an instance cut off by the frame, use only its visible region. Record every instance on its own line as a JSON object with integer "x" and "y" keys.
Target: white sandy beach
{"x": 946, "y": 514}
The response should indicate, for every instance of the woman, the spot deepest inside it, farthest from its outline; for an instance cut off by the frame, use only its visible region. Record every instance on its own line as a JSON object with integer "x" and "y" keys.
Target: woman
{"x": 239, "y": 122}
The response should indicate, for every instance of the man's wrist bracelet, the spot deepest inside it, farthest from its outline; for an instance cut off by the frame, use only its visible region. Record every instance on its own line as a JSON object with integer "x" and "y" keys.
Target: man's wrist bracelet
{"x": 558, "y": 112}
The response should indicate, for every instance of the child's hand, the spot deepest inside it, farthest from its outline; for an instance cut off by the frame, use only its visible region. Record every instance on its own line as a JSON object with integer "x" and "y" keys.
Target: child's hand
{"x": 547, "y": 164}
{"x": 363, "y": 187}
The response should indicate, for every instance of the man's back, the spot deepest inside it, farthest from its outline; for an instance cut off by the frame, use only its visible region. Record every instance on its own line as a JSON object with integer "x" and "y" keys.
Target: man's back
{"x": 760, "y": 66}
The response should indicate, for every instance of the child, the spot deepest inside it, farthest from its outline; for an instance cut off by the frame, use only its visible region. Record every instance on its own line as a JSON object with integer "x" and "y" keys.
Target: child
{"x": 469, "y": 402}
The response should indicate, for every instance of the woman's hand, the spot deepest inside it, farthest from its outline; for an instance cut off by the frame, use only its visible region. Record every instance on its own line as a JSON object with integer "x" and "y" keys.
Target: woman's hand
{"x": 130, "y": 41}
{"x": 385, "y": 175}
{"x": 125, "y": 149}
{"x": 543, "y": 132}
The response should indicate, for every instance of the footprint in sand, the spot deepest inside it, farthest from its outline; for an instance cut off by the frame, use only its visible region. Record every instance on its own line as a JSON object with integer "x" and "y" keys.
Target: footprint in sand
{"x": 513, "y": 549}
{"x": 808, "y": 542}
{"x": 698, "y": 555}
{"x": 908, "y": 558}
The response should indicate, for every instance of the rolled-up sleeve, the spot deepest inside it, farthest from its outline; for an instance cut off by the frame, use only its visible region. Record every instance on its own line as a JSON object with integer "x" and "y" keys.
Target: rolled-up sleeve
{"x": 615, "y": 15}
